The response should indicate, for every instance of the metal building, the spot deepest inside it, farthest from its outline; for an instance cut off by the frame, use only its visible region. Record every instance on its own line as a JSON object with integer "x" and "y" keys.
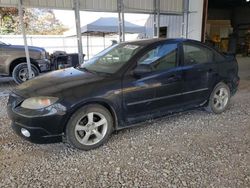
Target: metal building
{"x": 188, "y": 24}
{"x": 175, "y": 14}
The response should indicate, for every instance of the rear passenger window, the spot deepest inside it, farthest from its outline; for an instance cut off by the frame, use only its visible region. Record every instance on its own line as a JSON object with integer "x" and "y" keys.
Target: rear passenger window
{"x": 218, "y": 57}
{"x": 195, "y": 54}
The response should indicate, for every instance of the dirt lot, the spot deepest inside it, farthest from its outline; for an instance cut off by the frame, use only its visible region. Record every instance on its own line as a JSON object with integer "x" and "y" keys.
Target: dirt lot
{"x": 193, "y": 149}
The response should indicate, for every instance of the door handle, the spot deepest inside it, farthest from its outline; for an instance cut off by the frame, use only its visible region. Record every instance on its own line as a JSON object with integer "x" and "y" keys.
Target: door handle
{"x": 173, "y": 78}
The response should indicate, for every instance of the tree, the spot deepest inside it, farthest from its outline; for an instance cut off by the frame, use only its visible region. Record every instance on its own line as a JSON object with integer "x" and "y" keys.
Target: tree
{"x": 36, "y": 21}
{"x": 7, "y": 20}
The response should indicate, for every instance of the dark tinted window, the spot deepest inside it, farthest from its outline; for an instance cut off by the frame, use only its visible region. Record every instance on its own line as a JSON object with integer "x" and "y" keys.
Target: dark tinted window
{"x": 218, "y": 57}
{"x": 161, "y": 57}
{"x": 196, "y": 54}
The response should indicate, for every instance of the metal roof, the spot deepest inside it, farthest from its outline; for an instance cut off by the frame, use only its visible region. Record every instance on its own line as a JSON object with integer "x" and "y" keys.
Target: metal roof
{"x": 130, "y": 6}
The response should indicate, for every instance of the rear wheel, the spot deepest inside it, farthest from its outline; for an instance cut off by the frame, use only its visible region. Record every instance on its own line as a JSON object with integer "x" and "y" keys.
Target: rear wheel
{"x": 219, "y": 99}
{"x": 89, "y": 127}
{"x": 21, "y": 74}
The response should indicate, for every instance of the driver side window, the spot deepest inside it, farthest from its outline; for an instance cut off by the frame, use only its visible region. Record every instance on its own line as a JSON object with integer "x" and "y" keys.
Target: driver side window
{"x": 162, "y": 57}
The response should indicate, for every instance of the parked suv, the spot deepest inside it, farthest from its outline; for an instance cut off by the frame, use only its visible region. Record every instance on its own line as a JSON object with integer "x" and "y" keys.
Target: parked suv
{"x": 13, "y": 61}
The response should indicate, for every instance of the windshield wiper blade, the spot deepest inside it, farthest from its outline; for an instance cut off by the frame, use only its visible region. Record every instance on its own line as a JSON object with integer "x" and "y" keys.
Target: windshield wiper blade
{"x": 94, "y": 72}
{"x": 86, "y": 70}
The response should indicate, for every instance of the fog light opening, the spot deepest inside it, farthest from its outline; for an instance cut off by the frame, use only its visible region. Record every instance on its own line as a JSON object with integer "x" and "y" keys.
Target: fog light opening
{"x": 25, "y": 132}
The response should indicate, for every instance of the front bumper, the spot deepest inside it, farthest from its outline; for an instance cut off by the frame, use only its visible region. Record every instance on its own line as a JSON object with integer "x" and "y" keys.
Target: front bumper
{"x": 44, "y": 126}
{"x": 37, "y": 134}
{"x": 44, "y": 65}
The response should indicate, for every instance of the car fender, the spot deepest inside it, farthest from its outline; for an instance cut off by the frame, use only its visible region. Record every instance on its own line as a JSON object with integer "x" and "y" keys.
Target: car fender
{"x": 114, "y": 109}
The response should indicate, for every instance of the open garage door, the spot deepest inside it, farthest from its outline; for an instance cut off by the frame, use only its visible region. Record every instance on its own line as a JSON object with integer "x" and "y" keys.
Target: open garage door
{"x": 228, "y": 25}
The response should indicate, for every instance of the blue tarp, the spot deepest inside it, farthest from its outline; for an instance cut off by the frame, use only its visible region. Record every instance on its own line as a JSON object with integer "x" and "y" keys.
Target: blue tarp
{"x": 110, "y": 25}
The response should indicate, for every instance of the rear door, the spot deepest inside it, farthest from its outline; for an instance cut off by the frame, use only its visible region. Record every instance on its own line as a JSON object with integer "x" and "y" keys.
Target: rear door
{"x": 199, "y": 72}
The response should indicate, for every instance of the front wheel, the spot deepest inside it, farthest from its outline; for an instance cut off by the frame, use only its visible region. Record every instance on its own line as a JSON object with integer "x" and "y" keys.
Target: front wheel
{"x": 89, "y": 127}
{"x": 21, "y": 73}
{"x": 219, "y": 99}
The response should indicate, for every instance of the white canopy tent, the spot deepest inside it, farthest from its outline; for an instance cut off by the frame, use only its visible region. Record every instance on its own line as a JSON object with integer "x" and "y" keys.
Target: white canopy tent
{"x": 108, "y": 26}
{"x": 156, "y": 7}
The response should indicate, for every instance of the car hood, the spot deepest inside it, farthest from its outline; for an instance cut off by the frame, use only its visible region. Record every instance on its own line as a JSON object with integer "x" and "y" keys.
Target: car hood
{"x": 56, "y": 82}
{"x": 21, "y": 47}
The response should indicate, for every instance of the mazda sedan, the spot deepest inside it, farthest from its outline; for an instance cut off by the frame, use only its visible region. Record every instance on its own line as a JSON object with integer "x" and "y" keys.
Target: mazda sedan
{"x": 125, "y": 84}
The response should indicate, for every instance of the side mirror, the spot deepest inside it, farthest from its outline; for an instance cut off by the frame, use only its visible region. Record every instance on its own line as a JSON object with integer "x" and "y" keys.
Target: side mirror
{"x": 142, "y": 69}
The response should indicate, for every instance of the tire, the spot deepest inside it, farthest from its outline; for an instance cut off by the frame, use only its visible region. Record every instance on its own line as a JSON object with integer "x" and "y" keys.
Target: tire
{"x": 89, "y": 127}
{"x": 20, "y": 72}
{"x": 219, "y": 99}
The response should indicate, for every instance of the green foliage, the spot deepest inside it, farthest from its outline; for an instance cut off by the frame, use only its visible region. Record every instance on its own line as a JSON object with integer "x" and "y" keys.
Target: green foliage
{"x": 36, "y": 21}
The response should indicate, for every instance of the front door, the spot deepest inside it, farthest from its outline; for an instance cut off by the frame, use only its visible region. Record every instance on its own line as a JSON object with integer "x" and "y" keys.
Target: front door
{"x": 155, "y": 92}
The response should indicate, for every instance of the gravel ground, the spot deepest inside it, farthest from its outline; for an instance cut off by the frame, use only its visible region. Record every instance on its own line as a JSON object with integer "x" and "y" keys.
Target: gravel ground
{"x": 193, "y": 149}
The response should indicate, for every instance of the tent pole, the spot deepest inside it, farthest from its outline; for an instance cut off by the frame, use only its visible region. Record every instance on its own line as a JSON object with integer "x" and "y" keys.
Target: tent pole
{"x": 20, "y": 12}
{"x": 104, "y": 40}
{"x": 78, "y": 30}
{"x": 88, "y": 45}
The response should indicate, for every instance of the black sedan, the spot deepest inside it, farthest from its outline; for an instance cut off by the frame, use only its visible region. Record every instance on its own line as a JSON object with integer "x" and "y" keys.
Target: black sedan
{"x": 125, "y": 84}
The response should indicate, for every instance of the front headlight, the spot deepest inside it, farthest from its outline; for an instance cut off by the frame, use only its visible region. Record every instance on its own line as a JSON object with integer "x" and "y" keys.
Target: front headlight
{"x": 36, "y": 103}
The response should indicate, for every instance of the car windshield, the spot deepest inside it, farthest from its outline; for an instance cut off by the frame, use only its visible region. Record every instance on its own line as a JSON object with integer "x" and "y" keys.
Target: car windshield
{"x": 111, "y": 59}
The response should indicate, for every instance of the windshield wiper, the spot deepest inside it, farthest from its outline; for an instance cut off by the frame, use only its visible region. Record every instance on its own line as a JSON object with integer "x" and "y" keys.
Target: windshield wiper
{"x": 86, "y": 70}
{"x": 93, "y": 71}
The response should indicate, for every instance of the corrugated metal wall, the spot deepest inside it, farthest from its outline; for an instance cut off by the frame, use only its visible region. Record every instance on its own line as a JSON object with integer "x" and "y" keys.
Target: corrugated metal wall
{"x": 169, "y": 6}
{"x": 172, "y": 22}
{"x": 178, "y": 26}
{"x": 99, "y": 5}
{"x": 147, "y": 6}
{"x": 8, "y": 3}
{"x": 58, "y": 4}
{"x": 132, "y": 6}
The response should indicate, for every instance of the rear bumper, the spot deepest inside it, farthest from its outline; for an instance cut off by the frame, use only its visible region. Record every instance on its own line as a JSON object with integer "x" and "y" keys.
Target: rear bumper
{"x": 235, "y": 85}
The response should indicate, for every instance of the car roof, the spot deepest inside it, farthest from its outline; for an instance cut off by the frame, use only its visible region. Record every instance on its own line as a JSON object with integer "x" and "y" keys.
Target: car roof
{"x": 145, "y": 42}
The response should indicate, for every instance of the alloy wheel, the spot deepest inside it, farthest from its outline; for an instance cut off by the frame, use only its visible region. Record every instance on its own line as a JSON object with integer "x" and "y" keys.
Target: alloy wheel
{"x": 24, "y": 74}
{"x": 221, "y": 98}
{"x": 91, "y": 128}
